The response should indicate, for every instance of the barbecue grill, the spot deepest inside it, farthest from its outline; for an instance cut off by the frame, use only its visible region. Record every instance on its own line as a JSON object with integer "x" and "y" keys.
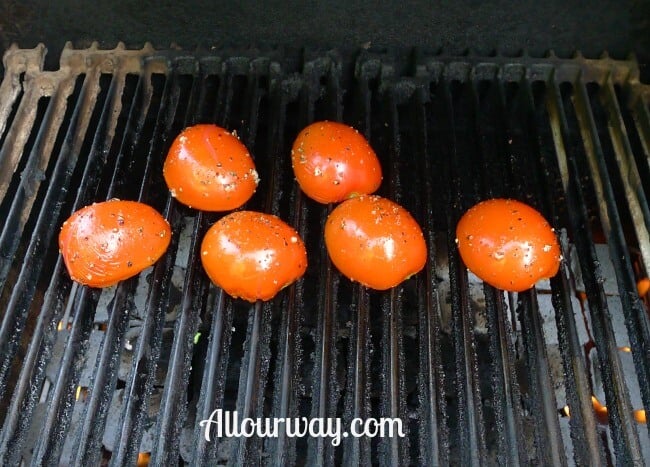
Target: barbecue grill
{"x": 478, "y": 376}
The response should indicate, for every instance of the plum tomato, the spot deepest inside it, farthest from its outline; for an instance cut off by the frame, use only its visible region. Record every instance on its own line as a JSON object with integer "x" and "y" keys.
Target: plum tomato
{"x": 208, "y": 168}
{"x": 375, "y": 241}
{"x": 252, "y": 255}
{"x": 507, "y": 244}
{"x": 333, "y": 162}
{"x": 110, "y": 241}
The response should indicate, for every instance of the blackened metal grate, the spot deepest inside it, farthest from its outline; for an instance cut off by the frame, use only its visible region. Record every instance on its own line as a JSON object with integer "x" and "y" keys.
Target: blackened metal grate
{"x": 477, "y": 376}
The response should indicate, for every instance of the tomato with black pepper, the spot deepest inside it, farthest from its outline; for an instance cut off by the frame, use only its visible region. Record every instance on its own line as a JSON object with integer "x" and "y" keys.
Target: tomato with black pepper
{"x": 333, "y": 162}
{"x": 508, "y": 244}
{"x": 110, "y": 241}
{"x": 252, "y": 255}
{"x": 208, "y": 168}
{"x": 375, "y": 241}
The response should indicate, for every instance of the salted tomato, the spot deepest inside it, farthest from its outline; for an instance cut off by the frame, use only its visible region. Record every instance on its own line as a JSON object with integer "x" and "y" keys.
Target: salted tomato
{"x": 107, "y": 242}
{"x": 333, "y": 162}
{"x": 375, "y": 241}
{"x": 208, "y": 168}
{"x": 508, "y": 244}
{"x": 252, "y": 255}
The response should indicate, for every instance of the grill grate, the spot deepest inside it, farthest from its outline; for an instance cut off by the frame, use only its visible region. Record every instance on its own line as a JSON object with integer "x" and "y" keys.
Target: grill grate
{"x": 477, "y": 376}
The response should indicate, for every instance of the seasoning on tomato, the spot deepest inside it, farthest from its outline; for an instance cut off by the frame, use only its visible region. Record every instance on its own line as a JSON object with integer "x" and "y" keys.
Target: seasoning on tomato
{"x": 375, "y": 241}
{"x": 333, "y": 162}
{"x": 208, "y": 168}
{"x": 508, "y": 244}
{"x": 110, "y": 241}
{"x": 252, "y": 255}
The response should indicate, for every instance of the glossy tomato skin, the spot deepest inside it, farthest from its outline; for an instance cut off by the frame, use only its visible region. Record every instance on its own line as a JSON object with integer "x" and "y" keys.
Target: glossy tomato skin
{"x": 333, "y": 162}
{"x": 375, "y": 241}
{"x": 252, "y": 255}
{"x": 110, "y": 241}
{"x": 508, "y": 244}
{"x": 208, "y": 168}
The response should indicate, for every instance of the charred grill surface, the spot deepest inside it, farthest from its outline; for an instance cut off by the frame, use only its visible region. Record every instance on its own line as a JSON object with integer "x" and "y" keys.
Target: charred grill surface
{"x": 477, "y": 376}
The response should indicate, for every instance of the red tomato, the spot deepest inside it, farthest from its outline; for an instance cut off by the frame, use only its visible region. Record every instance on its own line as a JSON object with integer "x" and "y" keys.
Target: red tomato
{"x": 375, "y": 241}
{"x": 508, "y": 244}
{"x": 107, "y": 242}
{"x": 210, "y": 169}
{"x": 252, "y": 255}
{"x": 333, "y": 162}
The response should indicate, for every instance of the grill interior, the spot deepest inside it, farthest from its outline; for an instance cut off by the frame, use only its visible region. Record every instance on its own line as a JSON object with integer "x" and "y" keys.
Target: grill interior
{"x": 475, "y": 374}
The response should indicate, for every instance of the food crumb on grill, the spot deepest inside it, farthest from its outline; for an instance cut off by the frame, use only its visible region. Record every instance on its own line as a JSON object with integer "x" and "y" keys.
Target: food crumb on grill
{"x": 255, "y": 175}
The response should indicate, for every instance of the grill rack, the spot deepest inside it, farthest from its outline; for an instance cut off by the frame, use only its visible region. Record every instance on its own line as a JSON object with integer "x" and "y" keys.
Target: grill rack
{"x": 472, "y": 382}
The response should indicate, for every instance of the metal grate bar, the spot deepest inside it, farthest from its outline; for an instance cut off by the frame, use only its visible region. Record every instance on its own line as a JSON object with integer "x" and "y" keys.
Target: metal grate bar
{"x": 173, "y": 406}
{"x": 60, "y": 400}
{"x": 393, "y": 450}
{"x": 325, "y": 390}
{"x": 587, "y": 449}
{"x": 25, "y": 286}
{"x": 357, "y": 402}
{"x": 641, "y": 116}
{"x": 17, "y": 136}
{"x": 253, "y": 372}
{"x": 543, "y": 402}
{"x": 522, "y": 136}
{"x": 290, "y": 352}
{"x": 139, "y": 384}
{"x": 629, "y": 175}
{"x": 32, "y": 373}
{"x": 258, "y": 365}
{"x": 255, "y": 361}
{"x": 506, "y": 393}
{"x": 212, "y": 385}
{"x": 584, "y": 434}
{"x": 58, "y": 420}
{"x": 105, "y": 379}
{"x": 214, "y": 374}
{"x": 32, "y": 176}
{"x": 16, "y": 63}
{"x": 636, "y": 317}
{"x": 471, "y": 431}
{"x": 626, "y": 441}
{"x": 434, "y": 438}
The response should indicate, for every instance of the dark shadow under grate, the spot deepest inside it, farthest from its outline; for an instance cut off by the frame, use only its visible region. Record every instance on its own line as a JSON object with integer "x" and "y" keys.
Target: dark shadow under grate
{"x": 476, "y": 375}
